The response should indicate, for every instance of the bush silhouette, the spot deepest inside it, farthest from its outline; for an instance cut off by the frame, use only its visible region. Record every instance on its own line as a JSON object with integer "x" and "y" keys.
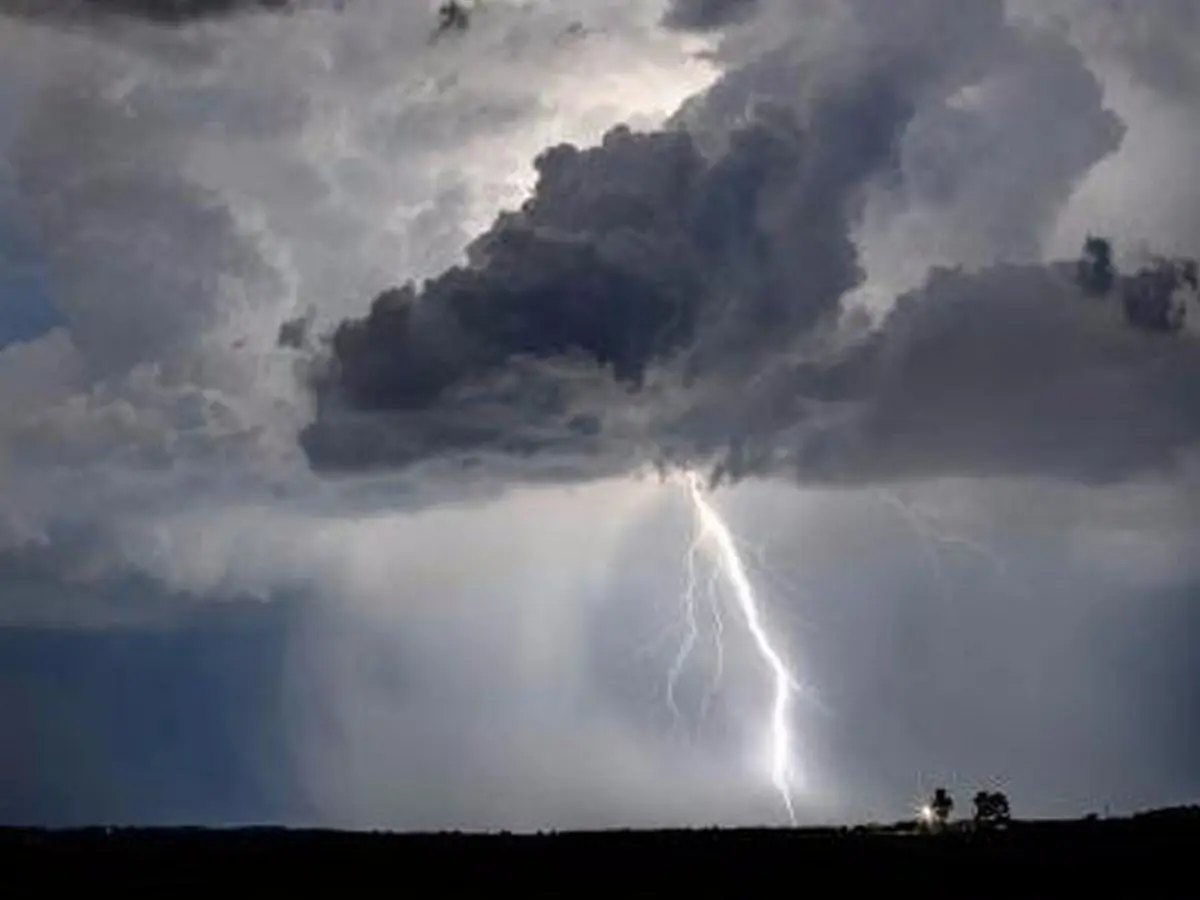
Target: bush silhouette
{"x": 991, "y": 809}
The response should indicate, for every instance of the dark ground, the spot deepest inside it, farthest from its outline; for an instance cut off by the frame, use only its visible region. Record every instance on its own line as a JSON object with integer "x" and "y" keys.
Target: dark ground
{"x": 1150, "y": 855}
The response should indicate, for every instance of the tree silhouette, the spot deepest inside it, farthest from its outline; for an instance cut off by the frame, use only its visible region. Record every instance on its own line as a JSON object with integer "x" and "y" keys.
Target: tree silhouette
{"x": 991, "y": 809}
{"x": 941, "y": 806}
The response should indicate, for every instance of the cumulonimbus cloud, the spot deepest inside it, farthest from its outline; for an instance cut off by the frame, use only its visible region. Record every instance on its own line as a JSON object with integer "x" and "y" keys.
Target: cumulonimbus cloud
{"x": 1013, "y": 370}
{"x": 674, "y": 295}
{"x": 654, "y": 301}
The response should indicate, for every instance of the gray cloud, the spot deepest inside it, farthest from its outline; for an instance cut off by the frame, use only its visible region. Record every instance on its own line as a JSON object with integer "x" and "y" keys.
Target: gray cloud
{"x": 705, "y": 14}
{"x": 96, "y": 207}
{"x": 167, "y": 12}
{"x": 1154, "y": 40}
{"x": 727, "y": 235}
{"x": 985, "y": 176}
{"x": 627, "y": 255}
{"x": 1012, "y": 371}
{"x": 182, "y": 192}
{"x": 644, "y": 304}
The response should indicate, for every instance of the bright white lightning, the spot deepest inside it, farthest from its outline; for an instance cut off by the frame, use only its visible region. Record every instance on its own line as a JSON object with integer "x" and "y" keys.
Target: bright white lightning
{"x": 729, "y": 560}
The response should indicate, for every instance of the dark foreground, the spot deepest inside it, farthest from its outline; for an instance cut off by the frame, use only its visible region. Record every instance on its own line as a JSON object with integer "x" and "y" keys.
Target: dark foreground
{"x": 1151, "y": 855}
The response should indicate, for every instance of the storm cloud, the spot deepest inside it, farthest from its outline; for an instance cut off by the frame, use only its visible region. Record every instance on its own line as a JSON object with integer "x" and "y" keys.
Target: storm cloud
{"x": 627, "y": 256}
{"x": 707, "y": 14}
{"x": 1009, "y": 371}
{"x": 676, "y": 297}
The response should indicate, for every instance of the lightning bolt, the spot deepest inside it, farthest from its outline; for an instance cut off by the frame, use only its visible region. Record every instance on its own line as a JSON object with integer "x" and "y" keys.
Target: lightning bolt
{"x": 926, "y": 537}
{"x": 931, "y": 534}
{"x": 728, "y": 561}
{"x": 692, "y": 632}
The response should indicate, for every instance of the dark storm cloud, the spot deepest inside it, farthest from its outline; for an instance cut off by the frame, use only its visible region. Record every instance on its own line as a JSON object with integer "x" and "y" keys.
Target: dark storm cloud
{"x": 167, "y": 12}
{"x": 1014, "y": 370}
{"x": 1011, "y": 371}
{"x": 652, "y": 298}
{"x": 701, "y": 15}
{"x": 633, "y": 256}
{"x": 644, "y": 302}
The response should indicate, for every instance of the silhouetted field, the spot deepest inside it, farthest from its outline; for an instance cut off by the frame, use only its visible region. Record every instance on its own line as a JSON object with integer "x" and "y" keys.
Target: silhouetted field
{"x": 1150, "y": 855}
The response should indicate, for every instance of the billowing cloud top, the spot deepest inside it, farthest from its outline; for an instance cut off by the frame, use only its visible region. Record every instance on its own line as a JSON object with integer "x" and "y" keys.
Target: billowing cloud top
{"x": 637, "y": 256}
{"x": 675, "y": 297}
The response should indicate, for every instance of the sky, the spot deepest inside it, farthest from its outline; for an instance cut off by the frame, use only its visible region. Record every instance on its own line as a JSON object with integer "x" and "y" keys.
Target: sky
{"x": 347, "y": 370}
